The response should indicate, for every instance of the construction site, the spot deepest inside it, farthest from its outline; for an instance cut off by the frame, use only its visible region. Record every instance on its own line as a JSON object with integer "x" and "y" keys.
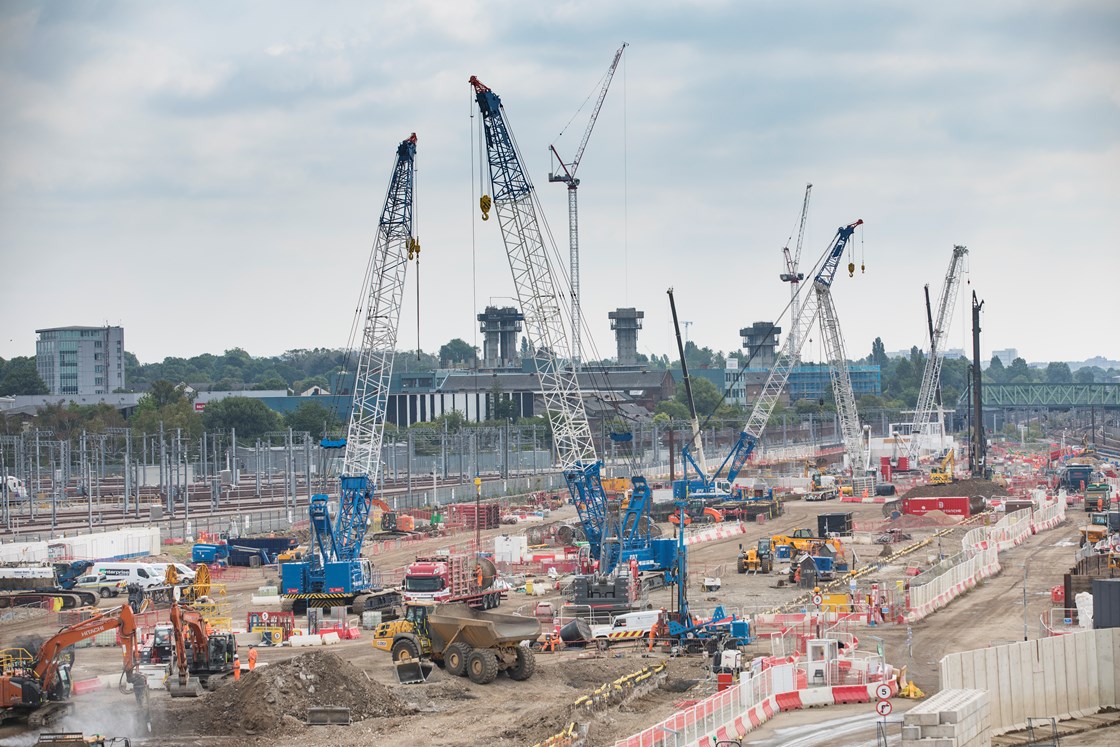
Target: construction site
{"x": 912, "y": 589}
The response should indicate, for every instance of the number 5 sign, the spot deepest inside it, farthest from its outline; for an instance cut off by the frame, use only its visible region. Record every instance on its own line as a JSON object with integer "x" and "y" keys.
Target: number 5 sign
{"x": 883, "y": 691}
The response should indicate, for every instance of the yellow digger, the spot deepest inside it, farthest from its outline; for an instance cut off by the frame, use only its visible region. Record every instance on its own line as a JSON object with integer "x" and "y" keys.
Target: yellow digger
{"x": 943, "y": 474}
{"x": 758, "y": 559}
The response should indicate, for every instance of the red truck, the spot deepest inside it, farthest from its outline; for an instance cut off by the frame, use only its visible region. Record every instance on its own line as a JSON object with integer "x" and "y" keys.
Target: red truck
{"x": 452, "y": 578}
{"x": 953, "y": 506}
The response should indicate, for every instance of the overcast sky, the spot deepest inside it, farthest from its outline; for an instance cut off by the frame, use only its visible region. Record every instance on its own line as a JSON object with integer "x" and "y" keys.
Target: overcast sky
{"x": 209, "y": 174}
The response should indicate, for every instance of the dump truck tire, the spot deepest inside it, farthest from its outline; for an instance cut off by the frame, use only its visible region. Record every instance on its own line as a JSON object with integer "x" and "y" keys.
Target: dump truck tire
{"x": 525, "y": 666}
{"x": 404, "y": 648}
{"x": 482, "y": 666}
{"x": 456, "y": 658}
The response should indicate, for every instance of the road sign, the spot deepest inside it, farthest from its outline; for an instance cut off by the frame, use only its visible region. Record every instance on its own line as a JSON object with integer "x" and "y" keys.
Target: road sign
{"x": 883, "y": 691}
{"x": 817, "y": 599}
{"x": 884, "y": 708}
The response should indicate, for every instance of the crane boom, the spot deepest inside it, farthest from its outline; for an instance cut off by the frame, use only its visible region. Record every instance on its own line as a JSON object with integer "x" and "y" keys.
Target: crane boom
{"x": 841, "y": 383}
{"x": 931, "y": 375}
{"x": 568, "y": 177}
{"x": 787, "y": 359}
{"x": 792, "y": 275}
{"x": 535, "y": 288}
{"x": 336, "y": 569}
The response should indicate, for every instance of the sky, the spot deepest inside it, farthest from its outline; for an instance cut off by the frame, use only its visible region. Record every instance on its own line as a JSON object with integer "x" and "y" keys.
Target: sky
{"x": 209, "y": 175}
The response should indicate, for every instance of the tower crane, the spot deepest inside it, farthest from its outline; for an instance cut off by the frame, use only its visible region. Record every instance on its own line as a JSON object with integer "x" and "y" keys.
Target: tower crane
{"x": 792, "y": 275}
{"x": 336, "y": 573}
{"x": 787, "y": 359}
{"x": 931, "y": 376}
{"x": 535, "y": 286}
{"x": 566, "y": 174}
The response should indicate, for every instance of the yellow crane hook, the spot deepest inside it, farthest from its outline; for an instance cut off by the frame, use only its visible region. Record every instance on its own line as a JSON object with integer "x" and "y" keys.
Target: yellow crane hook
{"x": 484, "y": 202}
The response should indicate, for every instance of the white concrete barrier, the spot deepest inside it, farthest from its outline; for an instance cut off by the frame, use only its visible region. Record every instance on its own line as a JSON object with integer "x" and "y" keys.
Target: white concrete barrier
{"x": 329, "y": 638}
{"x": 973, "y": 566}
{"x": 300, "y": 641}
{"x": 267, "y": 601}
{"x": 1066, "y": 676}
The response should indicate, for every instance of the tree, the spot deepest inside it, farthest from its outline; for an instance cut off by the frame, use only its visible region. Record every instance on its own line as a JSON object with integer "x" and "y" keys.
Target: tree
{"x": 21, "y": 377}
{"x": 313, "y": 417}
{"x": 879, "y": 354}
{"x": 457, "y": 351}
{"x": 163, "y": 393}
{"x": 249, "y": 416}
{"x": 995, "y": 372}
{"x": 1058, "y": 373}
{"x": 1084, "y": 376}
{"x": 1019, "y": 372}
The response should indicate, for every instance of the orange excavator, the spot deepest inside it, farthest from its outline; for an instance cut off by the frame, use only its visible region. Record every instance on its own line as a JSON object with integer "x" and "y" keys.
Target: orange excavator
{"x": 199, "y": 653}
{"x": 37, "y": 687}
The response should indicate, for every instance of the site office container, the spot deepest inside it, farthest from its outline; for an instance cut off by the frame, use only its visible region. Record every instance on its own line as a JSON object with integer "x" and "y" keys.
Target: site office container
{"x": 951, "y": 505}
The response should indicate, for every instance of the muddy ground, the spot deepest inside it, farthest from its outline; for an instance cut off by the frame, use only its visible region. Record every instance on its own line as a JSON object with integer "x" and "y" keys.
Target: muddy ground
{"x": 265, "y": 708}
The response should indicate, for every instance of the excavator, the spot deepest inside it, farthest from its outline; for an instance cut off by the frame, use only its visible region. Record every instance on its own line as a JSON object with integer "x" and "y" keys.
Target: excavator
{"x": 206, "y": 656}
{"x": 943, "y": 474}
{"x": 38, "y": 687}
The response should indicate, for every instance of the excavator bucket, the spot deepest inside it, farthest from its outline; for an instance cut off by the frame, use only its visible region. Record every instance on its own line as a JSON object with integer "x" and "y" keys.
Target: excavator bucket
{"x": 413, "y": 671}
{"x": 191, "y": 689}
{"x": 326, "y": 715}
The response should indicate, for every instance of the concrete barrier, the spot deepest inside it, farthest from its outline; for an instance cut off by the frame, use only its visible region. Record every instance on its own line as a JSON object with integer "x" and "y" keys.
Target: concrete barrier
{"x": 1066, "y": 676}
{"x": 961, "y": 718}
{"x": 301, "y": 641}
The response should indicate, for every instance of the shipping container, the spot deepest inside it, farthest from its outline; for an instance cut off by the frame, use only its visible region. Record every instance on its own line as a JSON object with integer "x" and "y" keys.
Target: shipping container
{"x": 951, "y": 505}
{"x": 836, "y": 523}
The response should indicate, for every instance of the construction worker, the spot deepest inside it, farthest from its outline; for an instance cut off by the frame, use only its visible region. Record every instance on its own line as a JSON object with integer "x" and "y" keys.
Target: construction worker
{"x": 236, "y": 667}
{"x": 652, "y": 636}
{"x": 478, "y": 574}
{"x": 252, "y": 658}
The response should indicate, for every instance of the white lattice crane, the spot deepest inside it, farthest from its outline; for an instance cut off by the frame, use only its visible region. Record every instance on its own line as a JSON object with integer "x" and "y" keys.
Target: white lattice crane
{"x": 931, "y": 376}
{"x": 792, "y": 275}
{"x": 566, "y": 174}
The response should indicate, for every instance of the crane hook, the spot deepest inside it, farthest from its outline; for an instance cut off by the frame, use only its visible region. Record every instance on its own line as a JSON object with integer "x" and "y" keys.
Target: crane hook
{"x": 862, "y": 268}
{"x": 484, "y": 202}
{"x": 413, "y": 248}
{"x": 851, "y": 269}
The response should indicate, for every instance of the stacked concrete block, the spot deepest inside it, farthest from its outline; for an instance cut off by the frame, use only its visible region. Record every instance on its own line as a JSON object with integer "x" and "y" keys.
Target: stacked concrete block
{"x": 952, "y": 718}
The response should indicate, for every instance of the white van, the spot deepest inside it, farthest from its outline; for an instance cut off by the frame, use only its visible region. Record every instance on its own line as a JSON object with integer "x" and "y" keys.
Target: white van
{"x": 143, "y": 574}
{"x": 185, "y": 572}
{"x": 628, "y": 626}
{"x": 14, "y": 488}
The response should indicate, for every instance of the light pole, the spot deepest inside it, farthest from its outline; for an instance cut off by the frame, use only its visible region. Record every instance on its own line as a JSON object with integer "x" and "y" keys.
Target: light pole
{"x": 1026, "y": 566}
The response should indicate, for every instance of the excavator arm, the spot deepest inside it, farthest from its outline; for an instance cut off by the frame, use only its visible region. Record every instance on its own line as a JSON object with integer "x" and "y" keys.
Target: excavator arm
{"x": 121, "y": 618}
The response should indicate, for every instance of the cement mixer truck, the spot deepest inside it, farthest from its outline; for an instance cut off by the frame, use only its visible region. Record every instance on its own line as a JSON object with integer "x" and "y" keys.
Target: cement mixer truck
{"x": 452, "y": 578}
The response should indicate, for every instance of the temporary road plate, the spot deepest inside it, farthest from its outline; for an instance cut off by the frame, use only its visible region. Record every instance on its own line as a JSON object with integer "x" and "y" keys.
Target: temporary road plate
{"x": 817, "y": 599}
{"x": 884, "y": 708}
{"x": 883, "y": 691}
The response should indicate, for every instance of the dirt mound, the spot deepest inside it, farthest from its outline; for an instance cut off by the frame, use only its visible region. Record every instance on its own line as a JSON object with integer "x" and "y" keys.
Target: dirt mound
{"x": 276, "y": 697}
{"x": 927, "y": 520}
{"x": 986, "y": 488}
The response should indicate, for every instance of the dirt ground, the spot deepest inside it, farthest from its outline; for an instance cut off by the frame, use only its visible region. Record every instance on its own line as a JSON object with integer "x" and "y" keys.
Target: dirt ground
{"x": 266, "y": 707}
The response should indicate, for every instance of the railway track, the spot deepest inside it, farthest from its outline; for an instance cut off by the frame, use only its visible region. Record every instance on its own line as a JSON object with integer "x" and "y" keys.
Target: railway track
{"x": 108, "y": 512}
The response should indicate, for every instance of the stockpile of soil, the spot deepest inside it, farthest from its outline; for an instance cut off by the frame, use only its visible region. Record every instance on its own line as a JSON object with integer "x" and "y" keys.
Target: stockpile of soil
{"x": 277, "y": 696}
{"x": 986, "y": 488}
{"x": 928, "y": 520}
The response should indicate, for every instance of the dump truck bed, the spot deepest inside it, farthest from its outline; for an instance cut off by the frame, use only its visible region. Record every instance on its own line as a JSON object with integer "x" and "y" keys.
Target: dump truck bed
{"x": 480, "y": 628}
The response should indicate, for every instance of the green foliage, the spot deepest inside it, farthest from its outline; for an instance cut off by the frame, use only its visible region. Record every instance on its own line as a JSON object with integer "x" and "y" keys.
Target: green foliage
{"x": 19, "y": 376}
{"x": 67, "y": 420}
{"x": 460, "y": 352}
{"x": 249, "y": 416}
{"x": 1058, "y": 373}
{"x": 313, "y": 417}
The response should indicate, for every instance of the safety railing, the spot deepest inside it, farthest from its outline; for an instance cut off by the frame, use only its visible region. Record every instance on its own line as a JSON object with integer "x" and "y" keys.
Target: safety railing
{"x": 1059, "y": 621}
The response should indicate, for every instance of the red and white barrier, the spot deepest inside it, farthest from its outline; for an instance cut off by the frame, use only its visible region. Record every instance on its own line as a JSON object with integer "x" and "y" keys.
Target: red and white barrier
{"x": 721, "y": 531}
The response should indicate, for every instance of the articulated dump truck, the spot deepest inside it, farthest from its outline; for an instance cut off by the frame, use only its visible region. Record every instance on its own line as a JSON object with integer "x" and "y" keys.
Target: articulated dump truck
{"x": 468, "y": 642}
